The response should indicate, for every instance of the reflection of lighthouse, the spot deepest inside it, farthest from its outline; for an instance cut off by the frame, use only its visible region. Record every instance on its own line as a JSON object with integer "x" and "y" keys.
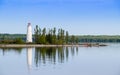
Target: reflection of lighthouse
{"x": 29, "y": 57}
{"x": 29, "y": 33}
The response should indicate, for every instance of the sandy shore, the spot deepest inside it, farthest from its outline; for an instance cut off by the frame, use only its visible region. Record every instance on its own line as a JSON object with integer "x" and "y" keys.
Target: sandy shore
{"x": 37, "y": 45}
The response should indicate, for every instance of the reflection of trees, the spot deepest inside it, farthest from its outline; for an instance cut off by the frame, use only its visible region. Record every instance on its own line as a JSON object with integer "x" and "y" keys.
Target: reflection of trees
{"x": 74, "y": 50}
{"x": 44, "y": 54}
{"x": 53, "y": 55}
{"x": 17, "y": 50}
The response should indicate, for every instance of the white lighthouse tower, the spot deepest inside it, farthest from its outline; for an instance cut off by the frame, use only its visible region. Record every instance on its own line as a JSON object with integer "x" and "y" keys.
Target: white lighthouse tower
{"x": 29, "y": 33}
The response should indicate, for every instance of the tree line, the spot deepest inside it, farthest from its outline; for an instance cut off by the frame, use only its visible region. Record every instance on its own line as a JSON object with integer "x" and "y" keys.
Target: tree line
{"x": 99, "y": 39}
{"x": 41, "y": 36}
{"x": 12, "y": 38}
{"x": 50, "y": 36}
{"x": 57, "y": 36}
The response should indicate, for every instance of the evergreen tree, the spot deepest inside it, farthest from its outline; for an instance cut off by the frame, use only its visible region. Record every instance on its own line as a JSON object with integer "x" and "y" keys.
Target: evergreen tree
{"x": 72, "y": 39}
{"x": 67, "y": 37}
{"x": 37, "y": 34}
{"x": 42, "y": 37}
{"x": 54, "y": 36}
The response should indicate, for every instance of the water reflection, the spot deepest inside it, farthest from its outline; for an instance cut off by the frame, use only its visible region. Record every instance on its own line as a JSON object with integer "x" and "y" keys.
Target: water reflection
{"x": 16, "y": 50}
{"x": 43, "y": 55}
{"x": 53, "y": 55}
{"x": 29, "y": 58}
{"x": 60, "y": 61}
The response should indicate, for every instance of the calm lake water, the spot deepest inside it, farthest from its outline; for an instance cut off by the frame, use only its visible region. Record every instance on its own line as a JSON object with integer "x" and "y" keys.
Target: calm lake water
{"x": 61, "y": 61}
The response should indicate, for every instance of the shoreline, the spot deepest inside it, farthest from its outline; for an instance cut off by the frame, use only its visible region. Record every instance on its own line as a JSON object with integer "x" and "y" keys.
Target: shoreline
{"x": 35, "y": 45}
{"x": 40, "y": 45}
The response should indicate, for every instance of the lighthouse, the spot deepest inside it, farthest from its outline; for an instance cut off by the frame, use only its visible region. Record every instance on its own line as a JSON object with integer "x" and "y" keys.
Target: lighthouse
{"x": 29, "y": 33}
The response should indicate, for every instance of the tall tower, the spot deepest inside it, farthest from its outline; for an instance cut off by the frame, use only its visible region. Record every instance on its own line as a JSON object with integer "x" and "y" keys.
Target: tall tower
{"x": 29, "y": 33}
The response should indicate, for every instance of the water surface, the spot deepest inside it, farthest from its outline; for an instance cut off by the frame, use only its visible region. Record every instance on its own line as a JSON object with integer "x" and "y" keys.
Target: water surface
{"x": 61, "y": 61}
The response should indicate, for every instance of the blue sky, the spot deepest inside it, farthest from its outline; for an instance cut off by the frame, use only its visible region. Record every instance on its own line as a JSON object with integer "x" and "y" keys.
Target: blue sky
{"x": 79, "y": 17}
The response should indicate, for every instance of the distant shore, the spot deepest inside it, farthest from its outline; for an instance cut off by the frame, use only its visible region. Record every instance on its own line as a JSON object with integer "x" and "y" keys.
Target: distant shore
{"x": 40, "y": 45}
